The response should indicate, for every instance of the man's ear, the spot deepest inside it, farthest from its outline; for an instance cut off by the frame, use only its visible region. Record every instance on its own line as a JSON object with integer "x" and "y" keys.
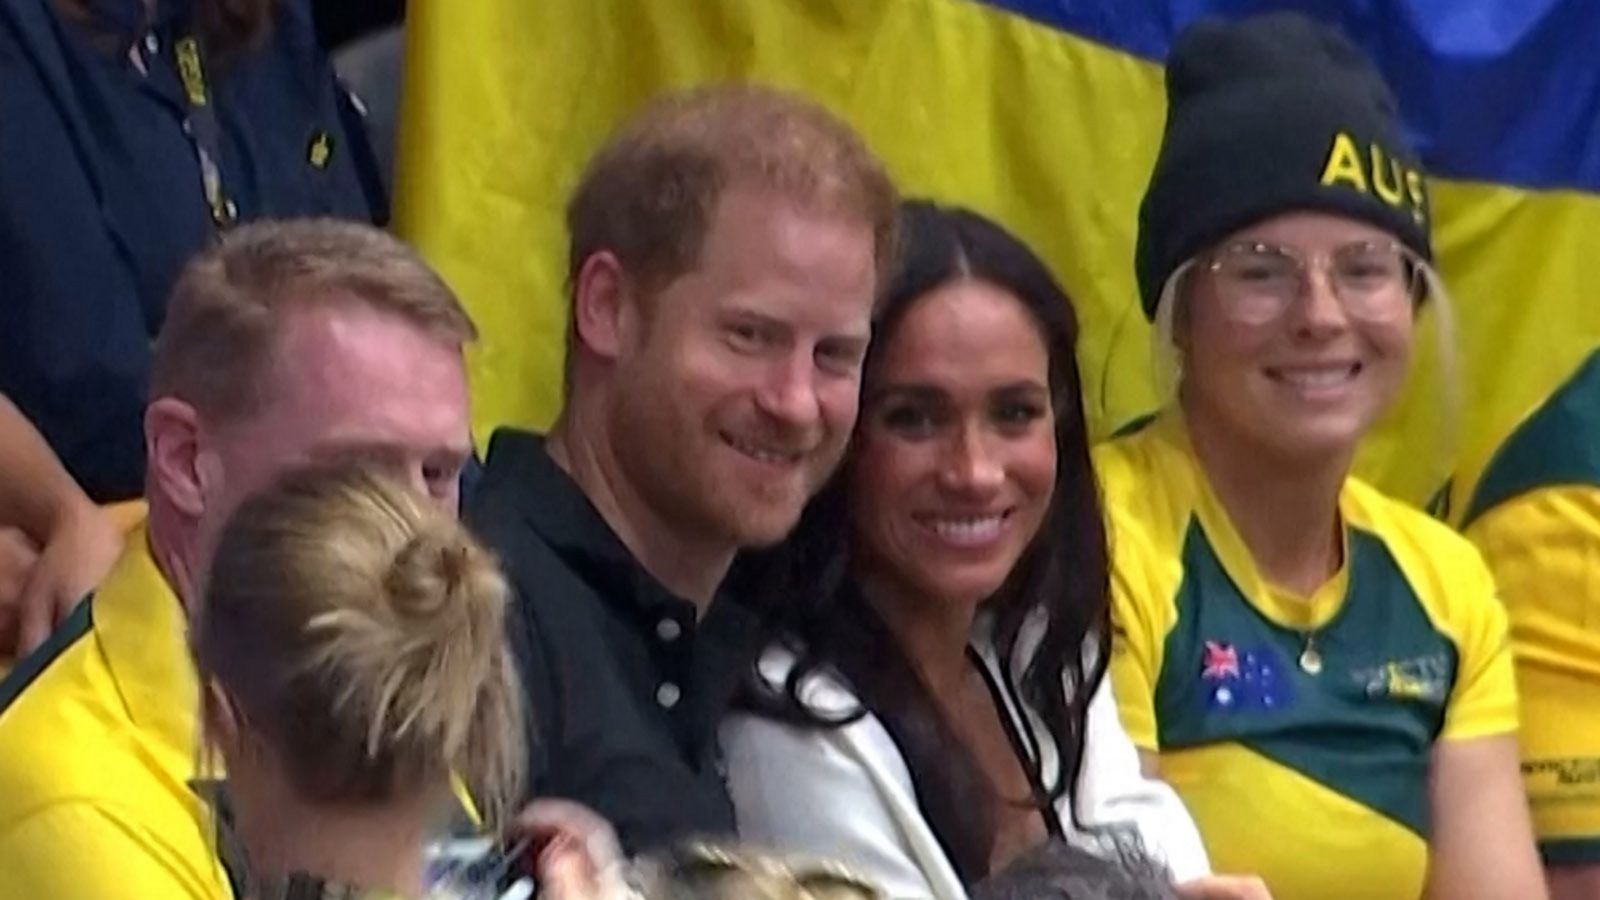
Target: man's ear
{"x": 177, "y": 466}
{"x": 604, "y": 306}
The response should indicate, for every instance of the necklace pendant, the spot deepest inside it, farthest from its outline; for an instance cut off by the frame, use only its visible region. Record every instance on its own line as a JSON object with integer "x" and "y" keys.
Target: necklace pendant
{"x": 1311, "y": 661}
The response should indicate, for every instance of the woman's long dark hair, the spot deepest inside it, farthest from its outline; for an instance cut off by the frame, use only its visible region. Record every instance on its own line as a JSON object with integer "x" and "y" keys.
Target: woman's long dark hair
{"x": 805, "y": 587}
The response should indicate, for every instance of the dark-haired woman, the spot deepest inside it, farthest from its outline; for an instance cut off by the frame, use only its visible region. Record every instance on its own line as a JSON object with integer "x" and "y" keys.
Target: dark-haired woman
{"x": 939, "y": 704}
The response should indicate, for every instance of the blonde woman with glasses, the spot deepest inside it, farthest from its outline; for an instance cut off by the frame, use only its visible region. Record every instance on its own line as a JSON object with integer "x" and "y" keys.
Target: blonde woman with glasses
{"x": 1319, "y": 670}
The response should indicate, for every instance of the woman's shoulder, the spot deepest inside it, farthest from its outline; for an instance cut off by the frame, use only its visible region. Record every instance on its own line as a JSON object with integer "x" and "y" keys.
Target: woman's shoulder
{"x": 1127, "y": 457}
{"x": 1148, "y": 482}
{"x": 1441, "y": 567}
{"x": 828, "y": 726}
{"x": 1405, "y": 528}
{"x": 821, "y": 690}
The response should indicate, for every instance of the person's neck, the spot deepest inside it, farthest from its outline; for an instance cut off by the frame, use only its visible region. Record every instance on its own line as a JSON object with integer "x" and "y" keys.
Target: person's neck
{"x": 932, "y": 634}
{"x": 368, "y": 849}
{"x": 173, "y": 539}
{"x": 687, "y": 565}
{"x": 1286, "y": 511}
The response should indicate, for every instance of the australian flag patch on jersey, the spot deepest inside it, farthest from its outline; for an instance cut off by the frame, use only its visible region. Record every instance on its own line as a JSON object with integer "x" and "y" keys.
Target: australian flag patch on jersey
{"x": 1235, "y": 678}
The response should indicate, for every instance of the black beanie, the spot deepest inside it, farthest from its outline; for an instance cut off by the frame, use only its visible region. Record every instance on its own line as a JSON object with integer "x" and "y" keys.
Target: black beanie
{"x": 1267, "y": 115}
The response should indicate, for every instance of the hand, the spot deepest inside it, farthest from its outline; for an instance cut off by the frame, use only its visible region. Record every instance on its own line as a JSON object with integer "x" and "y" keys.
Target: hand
{"x": 577, "y": 856}
{"x": 1224, "y": 887}
{"x": 80, "y": 552}
{"x": 18, "y": 555}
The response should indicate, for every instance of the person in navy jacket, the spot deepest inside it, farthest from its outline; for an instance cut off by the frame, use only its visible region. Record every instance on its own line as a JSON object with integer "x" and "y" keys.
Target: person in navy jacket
{"x": 133, "y": 132}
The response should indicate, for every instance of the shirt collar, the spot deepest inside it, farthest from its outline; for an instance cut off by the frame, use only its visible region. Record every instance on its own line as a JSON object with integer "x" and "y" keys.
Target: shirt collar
{"x": 727, "y": 639}
{"x": 1231, "y": 550}
{"x": 553, "y": 505}
{"x": 143, "y": 631}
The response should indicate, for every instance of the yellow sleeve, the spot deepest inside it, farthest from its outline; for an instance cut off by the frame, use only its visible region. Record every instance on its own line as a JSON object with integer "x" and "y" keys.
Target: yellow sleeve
{"x": 1541, "y": 547}
{"x": 1136, "y": 635}
{"x": 1483, "y": 701}
{"x": 74, "y": 851}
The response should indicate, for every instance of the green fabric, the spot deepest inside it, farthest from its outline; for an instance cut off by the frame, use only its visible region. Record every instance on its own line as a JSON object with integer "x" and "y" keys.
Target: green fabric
{"x": 1363, "y": 728}
{"x": 1558, "y": 444}
{"x": 30, "y": 668}
{"x": 1570, "y": 851}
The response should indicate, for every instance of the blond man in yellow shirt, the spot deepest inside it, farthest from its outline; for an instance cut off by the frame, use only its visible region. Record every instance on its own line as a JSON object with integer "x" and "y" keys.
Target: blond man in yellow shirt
{"x": 285, "y": 343}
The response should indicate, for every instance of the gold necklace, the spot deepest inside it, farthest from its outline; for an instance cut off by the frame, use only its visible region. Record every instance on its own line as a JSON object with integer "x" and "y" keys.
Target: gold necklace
{"x": 1310, "y": 655}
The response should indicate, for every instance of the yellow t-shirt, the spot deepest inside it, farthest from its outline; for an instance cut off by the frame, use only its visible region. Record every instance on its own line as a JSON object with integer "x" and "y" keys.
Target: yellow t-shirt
{"x": 1316, "y": 781}
{"x": 99, "y": 746}
{"x": 1535, "y": 514}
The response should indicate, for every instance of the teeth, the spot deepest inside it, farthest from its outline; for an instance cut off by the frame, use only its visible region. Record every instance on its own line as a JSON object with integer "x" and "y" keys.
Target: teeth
{"x": 1317, "y": 378}
{"x": 762, "y": 454}
{"x": 967, "y": 530}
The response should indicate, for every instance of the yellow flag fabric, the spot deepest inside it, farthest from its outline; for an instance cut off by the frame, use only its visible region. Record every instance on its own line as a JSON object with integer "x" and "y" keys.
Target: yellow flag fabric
{"x": 1043, "y": 114}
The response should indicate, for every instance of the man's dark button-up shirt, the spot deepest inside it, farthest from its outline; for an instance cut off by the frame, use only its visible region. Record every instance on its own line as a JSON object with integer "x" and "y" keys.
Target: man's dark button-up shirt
{"x": 626, "y": 687}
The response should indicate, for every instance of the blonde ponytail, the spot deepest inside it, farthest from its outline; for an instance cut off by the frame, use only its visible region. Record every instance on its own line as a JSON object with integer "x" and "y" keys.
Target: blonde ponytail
{"x": 361, "y": 630}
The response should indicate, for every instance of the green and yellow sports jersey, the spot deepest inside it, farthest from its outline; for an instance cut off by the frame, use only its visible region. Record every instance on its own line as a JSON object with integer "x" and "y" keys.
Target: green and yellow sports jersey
{"x": 99, "y": 747}
{"x": 1535, "y": 514}
{"x": 105, "y": 790}
{"x": 1309, "y": 768}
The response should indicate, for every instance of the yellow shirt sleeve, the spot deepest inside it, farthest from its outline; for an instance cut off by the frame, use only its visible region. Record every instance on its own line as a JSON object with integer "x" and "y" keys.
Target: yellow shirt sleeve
{"x": 1542, "y": 547}
{"x": 75, "y": 851}
{"x": 1138, "y": 633}
{"x": 1483, "y": 701}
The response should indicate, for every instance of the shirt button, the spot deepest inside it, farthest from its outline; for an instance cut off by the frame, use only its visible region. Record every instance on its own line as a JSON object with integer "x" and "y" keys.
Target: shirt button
{"x": 668, "y": 629}
{"x": 668, "y": 694}
{"x": 152, "y": 44}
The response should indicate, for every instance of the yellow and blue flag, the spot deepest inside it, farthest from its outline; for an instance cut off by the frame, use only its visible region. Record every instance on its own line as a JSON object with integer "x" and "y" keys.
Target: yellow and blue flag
{"x": 1045, "y": 114}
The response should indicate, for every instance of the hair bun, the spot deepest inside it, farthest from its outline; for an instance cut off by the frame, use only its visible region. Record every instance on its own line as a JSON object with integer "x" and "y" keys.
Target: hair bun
{"x": 363, "y": 629}
{"x": 439, "y": 577}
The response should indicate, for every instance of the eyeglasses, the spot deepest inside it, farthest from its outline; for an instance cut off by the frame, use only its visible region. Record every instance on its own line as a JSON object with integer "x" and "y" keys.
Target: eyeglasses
{"x": 1375, "y": 281}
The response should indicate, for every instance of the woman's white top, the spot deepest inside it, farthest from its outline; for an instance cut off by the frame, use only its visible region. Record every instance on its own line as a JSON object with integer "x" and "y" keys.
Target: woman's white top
{"x": 845, "y": 793}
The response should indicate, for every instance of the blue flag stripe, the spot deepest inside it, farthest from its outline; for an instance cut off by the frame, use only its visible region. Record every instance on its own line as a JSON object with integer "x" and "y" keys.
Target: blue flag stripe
{"x": 1504, "y": 91}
